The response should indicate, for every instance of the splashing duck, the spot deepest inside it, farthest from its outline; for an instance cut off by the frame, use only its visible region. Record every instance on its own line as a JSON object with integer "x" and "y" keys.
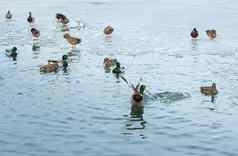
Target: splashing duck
{"x": 12, "y": 53}
{"x": 30, "y": 19}
{"x": 194, "y": 33}
{"x": 73, "y": 41}
{"x": 211, "y": 33}
{"x": 8, "y": 15}
{"x": 108, "y": 30}
{"x": 137, "y": 96}
{"x": 209, "y": 90}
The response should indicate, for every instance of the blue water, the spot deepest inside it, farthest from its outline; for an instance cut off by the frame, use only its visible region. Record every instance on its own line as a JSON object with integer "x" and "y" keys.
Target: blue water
{"x": 88, "y": 112}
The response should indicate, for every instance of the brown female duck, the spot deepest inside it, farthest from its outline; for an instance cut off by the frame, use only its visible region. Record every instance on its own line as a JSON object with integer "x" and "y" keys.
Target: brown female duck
{"x": 209, "y": 90}
{"x": 211, "y": 33}
{"x": 108, "y": 30}
{"x": 73, "y": 41}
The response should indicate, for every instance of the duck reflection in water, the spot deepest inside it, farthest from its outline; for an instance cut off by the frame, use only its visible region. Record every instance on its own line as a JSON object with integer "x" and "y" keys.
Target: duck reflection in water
{"x": 136, "y": 117}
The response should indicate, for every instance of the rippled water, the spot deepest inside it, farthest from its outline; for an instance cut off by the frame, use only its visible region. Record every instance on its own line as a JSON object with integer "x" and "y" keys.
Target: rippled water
{"x": 88, "y": 112}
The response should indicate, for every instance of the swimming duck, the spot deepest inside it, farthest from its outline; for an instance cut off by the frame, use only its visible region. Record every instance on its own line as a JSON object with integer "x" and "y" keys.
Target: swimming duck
{"x": 211, "y": 33}
{"x": 64, "y": 61}
{"x": 209, "y": 90}
{"x": 73, "y": 41}
{"x": 137, "y": 96}
{"x": 8, "y": 15}
{"x": 108, "y": 62}
{"x": 12, "y": 53}
{"x": 62, "y": 18}
{"x": 108, "y": 30}
{"x": 117, "y": 69}
{"x": 194, "y": 33}
{"x": 50, "y": 67}
{"x": 30, "y": 19}
{"x": 35, "y": 33}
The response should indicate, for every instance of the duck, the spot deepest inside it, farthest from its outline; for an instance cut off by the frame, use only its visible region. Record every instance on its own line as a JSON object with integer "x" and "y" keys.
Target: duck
{"x": 73, "y": 41}
{"x": 209, "y": 90}
{"x": 30, "y": 19}
{"x": 8, "y": 15}
{"x": 117, "y": 70}
{"x": 194, "y": 33}
{"x": 35, "y": 33}
{"x": 64, "y": 61}
{"x": 137, "y": 96}
{"x": 12, "y": 53}
{"x": 50, "y": 67}
{"x": 108, "y": 62}
{"x": 61, "y": 18}
{"x": 211, "y": 33}
{"x": 108, "y": 30}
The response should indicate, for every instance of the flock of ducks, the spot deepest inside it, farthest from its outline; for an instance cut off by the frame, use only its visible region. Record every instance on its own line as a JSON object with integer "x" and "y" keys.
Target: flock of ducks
{"x": 110, "y": 65}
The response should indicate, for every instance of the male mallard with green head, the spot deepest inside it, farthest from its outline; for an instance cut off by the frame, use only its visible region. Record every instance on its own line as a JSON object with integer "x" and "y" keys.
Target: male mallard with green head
{"x": 12, "y": 53}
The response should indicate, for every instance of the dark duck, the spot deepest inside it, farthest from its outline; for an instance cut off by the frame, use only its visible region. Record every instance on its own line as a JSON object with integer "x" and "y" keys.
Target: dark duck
{"x": 8, "y": 15}
{"x": 194, "y": 33}
{"x": 35, "y": 33}
{"x": 12, "y": 53}
{"x": 30, "y": 19}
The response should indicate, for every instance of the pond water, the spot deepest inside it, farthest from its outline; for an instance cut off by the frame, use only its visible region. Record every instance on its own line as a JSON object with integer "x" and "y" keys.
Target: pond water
{"x": 86, "y": 111}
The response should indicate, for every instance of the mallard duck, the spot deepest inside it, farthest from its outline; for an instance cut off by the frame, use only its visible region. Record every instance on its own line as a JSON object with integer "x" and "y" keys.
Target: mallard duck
{"x": 108, "y": 62}
{"x": 64, "y": 61}
{"x": 73, "y": 41}
{"x": 211, "y": 33}
{"x": 50, "y": 67}
{"x": 30, "y": 19}
{"x": 209, "y": 90}
{"x": 12, "y": 53}
{"x": 194, "y": 33}
{"x": 108, "y": 30}
{"x": 8, "y": 15}
{"x": 35, "y": 33}
{"x": 139, "y": 90}
{"x": 117, "y": 69}
{"x": 62, "y": 18}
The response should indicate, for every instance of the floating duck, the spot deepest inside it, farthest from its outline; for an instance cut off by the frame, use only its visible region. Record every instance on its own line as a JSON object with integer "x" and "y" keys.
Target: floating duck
{"x": 50, "y": 67}
{"x": 8, "y": 15}
{"x": 117, "y": 70}
{"x": 64, "y": 61}
{"x": 35, "y": 33}
{"x": 108, "y": 30}
{"x": 12, "y": 53}
{"x": 62, "y": 18}
{"x": 108, "y": 62}
{"x": 137, "y": 96}
{"x": 73, "y": 41}
{"x": 194, "y": 33}
{"x": 30, "y": 19}
{"x": 209, "y": 90}
{"x": 211, "y": 33}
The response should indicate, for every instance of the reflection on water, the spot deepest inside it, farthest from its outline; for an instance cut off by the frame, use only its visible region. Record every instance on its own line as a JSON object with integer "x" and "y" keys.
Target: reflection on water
{"x": 136, "y": 120}
{"x": 169, "y": 97}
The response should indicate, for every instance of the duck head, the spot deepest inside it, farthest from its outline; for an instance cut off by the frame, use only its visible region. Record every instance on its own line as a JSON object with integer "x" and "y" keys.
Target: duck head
{"x": 214, "y": 85}
{"x": 142, "y": 89}
{"x": 66, "y": 35}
